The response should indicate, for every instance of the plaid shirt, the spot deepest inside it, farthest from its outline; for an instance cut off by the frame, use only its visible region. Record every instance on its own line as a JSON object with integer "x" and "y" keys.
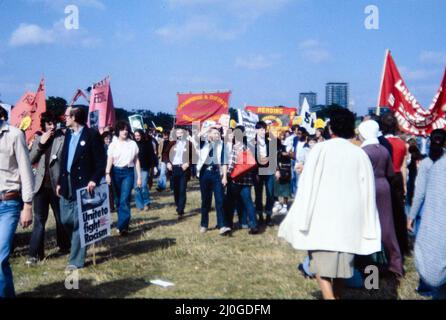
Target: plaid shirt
{"x": 246, "y": 179}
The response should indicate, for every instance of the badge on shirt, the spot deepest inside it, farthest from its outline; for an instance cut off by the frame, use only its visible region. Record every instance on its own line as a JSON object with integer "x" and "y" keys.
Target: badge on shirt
{"x": 54, "y": 157}
{"x": 82, "y": 143}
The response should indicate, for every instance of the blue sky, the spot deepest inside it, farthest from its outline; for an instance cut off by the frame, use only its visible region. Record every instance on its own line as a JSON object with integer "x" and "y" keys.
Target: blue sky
{"x": 265, "y": 51}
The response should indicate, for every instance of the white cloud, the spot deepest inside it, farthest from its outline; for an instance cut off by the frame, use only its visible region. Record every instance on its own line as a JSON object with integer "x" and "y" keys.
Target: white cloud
{"x": 31, "y": 34}
{"x": 309, "y": 44}
{"x": 256, "y": 62}
{"x": 417, "y": 74}
{"x": 314, "y": 51}
{"x": 211, "y": 18}
{"x": 433, "y": 57}
{"x": 198, "y": 26}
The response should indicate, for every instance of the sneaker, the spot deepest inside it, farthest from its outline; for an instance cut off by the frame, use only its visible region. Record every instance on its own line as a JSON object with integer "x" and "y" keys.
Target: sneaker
{"x": 225, "y": 231}
{"x": 284, "y": 210}
{"x": 203, "y": 230}
{"x": 71, "y": 267}
{"x": 31, "y": 261}
{"x": 277, "y": 207}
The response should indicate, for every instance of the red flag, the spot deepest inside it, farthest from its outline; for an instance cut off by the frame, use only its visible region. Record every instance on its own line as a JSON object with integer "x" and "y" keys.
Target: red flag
{"x": 79, "y": 93}
{"x": 101, "y": 111}
{"x": 26, "y": 113}
{"x": 412, "y": 118}
{"x": 201, "y": 107}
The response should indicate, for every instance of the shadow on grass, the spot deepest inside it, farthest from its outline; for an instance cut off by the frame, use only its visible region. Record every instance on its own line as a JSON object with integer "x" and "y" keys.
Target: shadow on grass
{"x": 121, "y": 250}
{"x": 388, "y": 290}
{"x": 87, "y": 289}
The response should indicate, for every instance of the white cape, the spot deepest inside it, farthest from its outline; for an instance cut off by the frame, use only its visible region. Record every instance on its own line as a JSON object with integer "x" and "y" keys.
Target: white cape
{"x": 335, "y": 206}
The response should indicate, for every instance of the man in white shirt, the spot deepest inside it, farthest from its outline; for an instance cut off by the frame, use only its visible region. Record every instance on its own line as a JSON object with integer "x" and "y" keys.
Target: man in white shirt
{"x": 180, "y": 159}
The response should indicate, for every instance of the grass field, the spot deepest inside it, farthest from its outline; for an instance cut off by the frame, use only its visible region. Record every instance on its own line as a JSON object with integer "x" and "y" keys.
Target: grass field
{"x": 200, "y": 265}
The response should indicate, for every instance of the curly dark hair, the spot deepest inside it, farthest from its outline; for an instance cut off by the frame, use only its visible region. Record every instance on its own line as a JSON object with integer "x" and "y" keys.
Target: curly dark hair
{"x": 47, "y": 117}
{"x": 342, "y": 122}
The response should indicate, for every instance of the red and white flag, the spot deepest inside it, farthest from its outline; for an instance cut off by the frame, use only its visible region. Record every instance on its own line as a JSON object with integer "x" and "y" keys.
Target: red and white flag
{"x": 26, "y": 113}
{"x": 101, "y": 111}
{"x": 412, "y": 118}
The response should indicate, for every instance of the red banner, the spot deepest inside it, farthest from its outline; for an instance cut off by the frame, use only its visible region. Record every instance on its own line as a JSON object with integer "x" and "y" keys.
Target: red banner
{"x": 412, "y": 118}
{"x": 280, "y": 118}
{"x": 201, "y": 107}
{"x": 26, "y": 113}
{"x": 101, "y": 113}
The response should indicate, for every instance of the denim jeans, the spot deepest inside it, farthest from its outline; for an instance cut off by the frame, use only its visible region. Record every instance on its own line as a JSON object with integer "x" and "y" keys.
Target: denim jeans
{"x": 179, "y": 184}
{"x": 239, "y": 197}
{"x": 142, "y": 195}
{"x": 293, "y": 184}
{"x": 162, "y": 180}
{"x": 268, "y": 182}
{"x": 70, "y": 221}
{"x": 123, "y": 180}
{"x": 210, "y": 182}
{"x": 41, "y": 205}
{"x": 9, "y": 218}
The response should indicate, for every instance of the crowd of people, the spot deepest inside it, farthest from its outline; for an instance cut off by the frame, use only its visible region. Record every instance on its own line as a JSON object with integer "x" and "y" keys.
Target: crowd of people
{"x": 344, "y": 192}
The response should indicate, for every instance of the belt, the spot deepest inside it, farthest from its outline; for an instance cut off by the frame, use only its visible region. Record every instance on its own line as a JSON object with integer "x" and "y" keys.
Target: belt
{"x": 13, "y": 195}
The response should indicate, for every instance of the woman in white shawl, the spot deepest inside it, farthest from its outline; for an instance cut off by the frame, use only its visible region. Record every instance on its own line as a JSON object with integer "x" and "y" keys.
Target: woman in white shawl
{"x": 334, "y": 215}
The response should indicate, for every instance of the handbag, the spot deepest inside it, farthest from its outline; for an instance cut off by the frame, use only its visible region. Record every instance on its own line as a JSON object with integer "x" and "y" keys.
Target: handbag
{"x": 245, "y": 162}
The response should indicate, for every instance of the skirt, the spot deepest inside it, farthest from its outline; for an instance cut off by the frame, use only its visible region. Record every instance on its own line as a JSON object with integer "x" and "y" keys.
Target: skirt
{"x": 334, "y": 265}
{"x": 282, "y": 190}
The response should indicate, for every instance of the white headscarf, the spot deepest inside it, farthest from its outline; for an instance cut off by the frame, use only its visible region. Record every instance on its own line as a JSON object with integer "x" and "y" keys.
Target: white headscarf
{"x": 369, "y": 130}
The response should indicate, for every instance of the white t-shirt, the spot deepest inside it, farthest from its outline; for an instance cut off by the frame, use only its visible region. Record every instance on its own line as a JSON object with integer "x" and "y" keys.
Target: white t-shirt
{"x": 262, "y": 148}
{"x": 123, "y": 152}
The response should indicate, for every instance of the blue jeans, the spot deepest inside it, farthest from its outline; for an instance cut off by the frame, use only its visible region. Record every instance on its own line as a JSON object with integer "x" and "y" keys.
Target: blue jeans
{"x": 123, "y": 180}
{"x": 239, "y": 197}
{"x": 9, "y": 218}
{"x": 142, "y": 195}
{"x": 268, "y": 181}
{"x": 70, "y": 221}
{"x": 162, "y": 180}
{"x": 293, "y": 184}
{"x": 210, "y": 182}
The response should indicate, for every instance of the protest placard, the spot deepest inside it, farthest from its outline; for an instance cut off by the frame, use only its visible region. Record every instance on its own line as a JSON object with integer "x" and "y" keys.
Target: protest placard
{"x": 94, "y": 214}
{"x": 136, "y": 122}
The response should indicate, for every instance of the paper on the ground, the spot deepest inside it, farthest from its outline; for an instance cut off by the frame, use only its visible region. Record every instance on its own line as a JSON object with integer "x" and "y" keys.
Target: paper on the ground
{"x": 161, "y": 283}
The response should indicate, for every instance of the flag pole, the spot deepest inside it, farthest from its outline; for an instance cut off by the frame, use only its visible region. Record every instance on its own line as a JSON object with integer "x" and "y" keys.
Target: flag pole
{"x": 378, "y": 107}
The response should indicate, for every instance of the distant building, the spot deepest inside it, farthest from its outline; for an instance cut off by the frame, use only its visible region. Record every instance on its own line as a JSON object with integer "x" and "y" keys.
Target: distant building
{"x": 311, "y": 98}
{"x": 337, "y": 93}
